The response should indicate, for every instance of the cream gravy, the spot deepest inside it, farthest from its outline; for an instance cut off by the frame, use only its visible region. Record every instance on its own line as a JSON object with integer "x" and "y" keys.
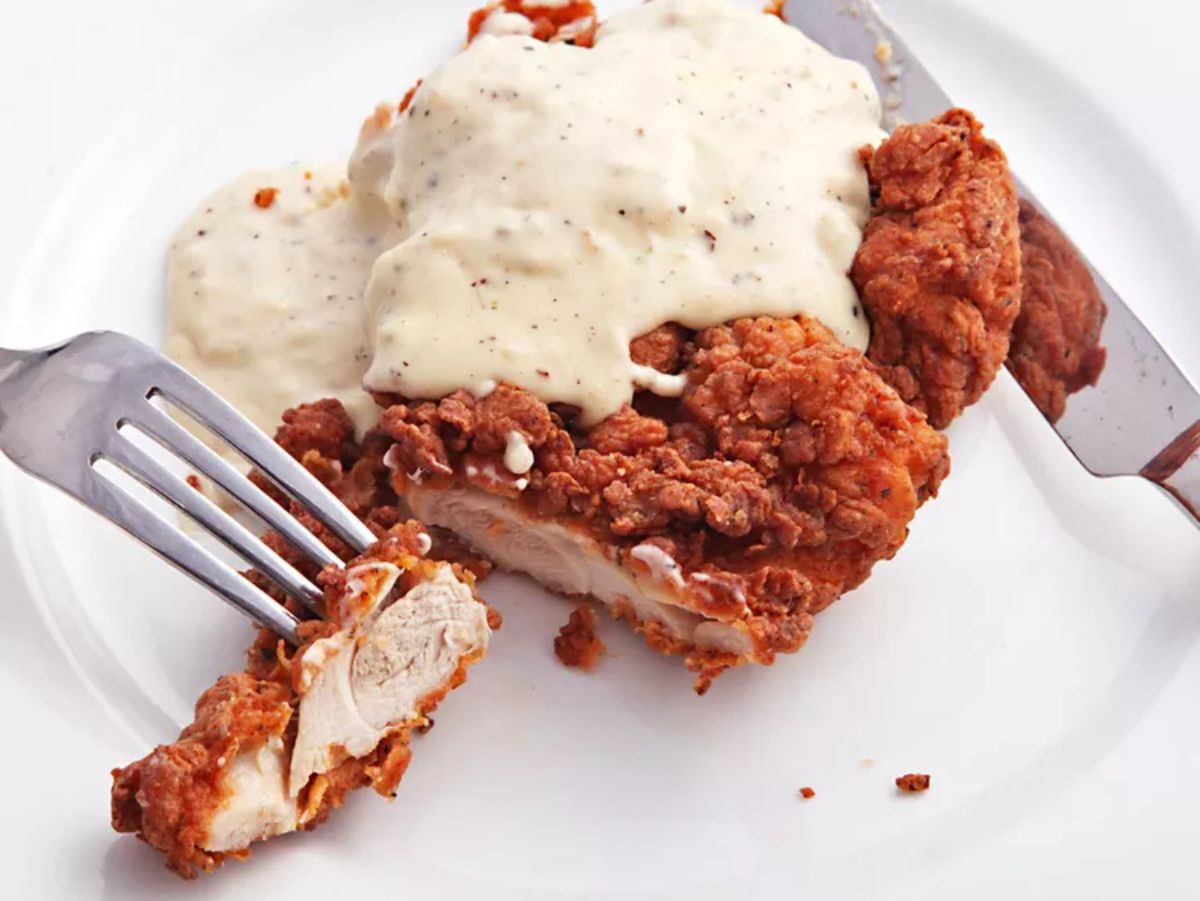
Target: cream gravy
{"x": 699, "y": 163}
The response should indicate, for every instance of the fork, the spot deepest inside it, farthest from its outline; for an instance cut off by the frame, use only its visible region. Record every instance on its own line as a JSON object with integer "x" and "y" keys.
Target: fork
{"x": 65, "y": 408}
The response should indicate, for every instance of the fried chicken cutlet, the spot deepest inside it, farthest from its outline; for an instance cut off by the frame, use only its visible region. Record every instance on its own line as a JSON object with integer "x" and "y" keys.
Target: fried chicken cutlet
{"x": 276, "y": 749}
{"x": 939, "y": 268}
{"x": 717, "y": 524}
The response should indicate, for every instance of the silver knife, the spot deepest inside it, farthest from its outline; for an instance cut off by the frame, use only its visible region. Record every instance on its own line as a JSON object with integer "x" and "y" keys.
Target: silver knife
{"x": 1142, "y": 417}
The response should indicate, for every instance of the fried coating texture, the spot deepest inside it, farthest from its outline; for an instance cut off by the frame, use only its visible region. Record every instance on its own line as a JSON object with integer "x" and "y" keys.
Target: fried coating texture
{"x": 1056, "y": 340}
{"x": 784, "y": 473}
{"x": 939, "y": 267}
{"x": 577, "y": 645}
{"x": 913, "y": 783}
{"x": 170, "y": 796}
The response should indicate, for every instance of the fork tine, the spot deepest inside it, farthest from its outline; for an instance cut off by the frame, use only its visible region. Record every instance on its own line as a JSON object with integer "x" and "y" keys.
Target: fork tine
{"x": 175, "y": 547}
{"x": 213, "y": 519}
{"x": 273, "y": 461}
{"x": 175, "y": 438}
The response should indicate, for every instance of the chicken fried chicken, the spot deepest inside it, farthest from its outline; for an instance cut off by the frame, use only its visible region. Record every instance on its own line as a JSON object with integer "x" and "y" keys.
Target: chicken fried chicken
{"x": 276, "y": 749}
{"x": 717, "y": 524}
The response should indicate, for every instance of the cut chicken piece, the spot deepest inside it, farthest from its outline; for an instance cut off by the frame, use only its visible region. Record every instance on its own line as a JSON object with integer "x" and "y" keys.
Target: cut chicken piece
{"x": 642, "y": 584}
{"x": 355, "y": 686}
{"x": 268, "y": 756}
{"x": 717, "y": 523}
{"x": 257, "y": 803}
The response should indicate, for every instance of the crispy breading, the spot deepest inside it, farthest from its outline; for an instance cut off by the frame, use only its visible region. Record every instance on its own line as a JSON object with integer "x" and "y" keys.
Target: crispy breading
{"x": 171, "y": 796}
{"x": 1056, "y": 340}
{"x": 784, "y": 473}
{"x": 939, "y": 267}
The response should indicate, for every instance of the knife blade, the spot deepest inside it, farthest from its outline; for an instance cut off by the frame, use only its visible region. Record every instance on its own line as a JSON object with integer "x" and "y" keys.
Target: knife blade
{"x": 1142, "y": 416}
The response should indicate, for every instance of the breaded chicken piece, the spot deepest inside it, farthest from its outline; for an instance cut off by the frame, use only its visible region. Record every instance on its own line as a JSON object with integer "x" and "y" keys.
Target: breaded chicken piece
{"x": 275, "y": 750}
{"x": 939, "y": 267}
{"x": 717, "y": 523}
{"x": 1056, "y": 340}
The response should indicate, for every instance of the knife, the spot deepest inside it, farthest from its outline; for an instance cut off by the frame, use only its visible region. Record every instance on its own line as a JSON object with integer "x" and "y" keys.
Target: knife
{"x": 1142, "y": 416}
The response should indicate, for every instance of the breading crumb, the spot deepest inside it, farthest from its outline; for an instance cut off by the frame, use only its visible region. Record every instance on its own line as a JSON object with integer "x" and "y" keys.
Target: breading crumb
{"x": 912, "y": 783}
{"x": 577, "y": 644}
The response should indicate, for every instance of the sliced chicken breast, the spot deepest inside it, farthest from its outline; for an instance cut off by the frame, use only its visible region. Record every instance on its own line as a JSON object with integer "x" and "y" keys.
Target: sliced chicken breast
{"x": 266, "y": 756}
{"x": 648, "y": 585}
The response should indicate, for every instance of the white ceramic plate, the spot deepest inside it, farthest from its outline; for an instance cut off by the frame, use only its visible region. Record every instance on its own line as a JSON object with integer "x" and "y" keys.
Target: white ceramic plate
{"x": 1033, "y": 647}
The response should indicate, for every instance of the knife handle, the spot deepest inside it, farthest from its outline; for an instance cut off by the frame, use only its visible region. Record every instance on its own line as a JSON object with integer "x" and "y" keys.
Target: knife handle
{"x": 1177, "y": 470}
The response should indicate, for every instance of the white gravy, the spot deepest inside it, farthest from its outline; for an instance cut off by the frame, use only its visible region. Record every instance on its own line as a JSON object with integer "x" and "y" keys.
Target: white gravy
{"x": 554, "y": 202}
{"x": 538, "y": 207}
{"x": 265, "y": 304}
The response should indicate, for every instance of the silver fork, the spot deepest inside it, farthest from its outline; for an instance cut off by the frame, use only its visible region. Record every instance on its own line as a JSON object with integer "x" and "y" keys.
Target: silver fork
{"x": 62, "y": 410}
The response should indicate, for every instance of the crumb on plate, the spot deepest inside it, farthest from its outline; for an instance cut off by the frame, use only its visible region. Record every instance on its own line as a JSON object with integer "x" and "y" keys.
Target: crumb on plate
{"x": 577, "y": 644}
{"x": 911, "y": 783}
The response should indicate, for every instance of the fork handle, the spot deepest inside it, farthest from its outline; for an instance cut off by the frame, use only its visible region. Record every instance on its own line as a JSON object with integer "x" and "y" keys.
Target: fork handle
{"x": 1177, "y": 470}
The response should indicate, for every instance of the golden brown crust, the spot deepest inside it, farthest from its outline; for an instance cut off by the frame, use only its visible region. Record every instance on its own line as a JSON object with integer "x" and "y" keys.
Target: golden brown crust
{"x": 1056, "y": 340}
{"x": 577, "y": 644}
{"x": 323, "y": 426}
{"x": 662, "y": 348}
{"x": 170, "y": 796}
{"x": 912, "y": 783}
{"x": 939, "y": 267}
{"x": 787, "y": 469}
